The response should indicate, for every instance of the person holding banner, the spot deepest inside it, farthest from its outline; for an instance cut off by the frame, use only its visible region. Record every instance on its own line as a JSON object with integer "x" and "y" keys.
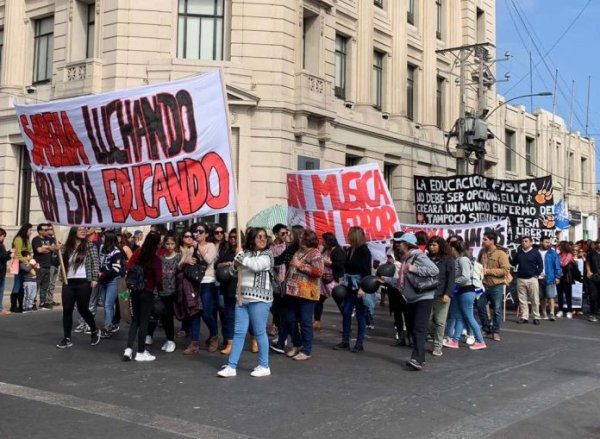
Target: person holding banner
{"x": 303, "y": 288}
{"x": 256, "y": 262}
{"x": 496, "y": 275}
{"x": 358, "y": 265}
{"x": 82, "y": 267}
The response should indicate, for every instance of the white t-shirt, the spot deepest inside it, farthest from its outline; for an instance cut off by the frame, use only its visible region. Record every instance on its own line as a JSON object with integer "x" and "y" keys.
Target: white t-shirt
{"x": 76, "y": 274}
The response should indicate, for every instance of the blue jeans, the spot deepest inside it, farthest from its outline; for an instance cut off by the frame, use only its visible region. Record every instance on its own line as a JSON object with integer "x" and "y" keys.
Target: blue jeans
{"x": 465, "y": 305}
{"x": 301, "y": 311}
{"x": 370, "y": 301}
{"x": 256, "y": 313}
{"x": 108, "y": 293}
{"x": 2, "y": 282}
{"x": 350, "y": 302}
{"x": 495, "y": 297}
{"x": 209, "y": 296}
{"x": 17, "y": 283}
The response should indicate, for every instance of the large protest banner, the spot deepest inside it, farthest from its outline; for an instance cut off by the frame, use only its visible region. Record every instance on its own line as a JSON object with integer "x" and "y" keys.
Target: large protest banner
{"x": 333, "y": 200}
{"x": 145, "y": 155}
{"x": 527, "y": 204}
{"x": 472, "y": 234}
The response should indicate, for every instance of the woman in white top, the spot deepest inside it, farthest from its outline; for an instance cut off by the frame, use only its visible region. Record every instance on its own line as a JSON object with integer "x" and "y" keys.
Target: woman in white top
{"x": 256, "y": 263}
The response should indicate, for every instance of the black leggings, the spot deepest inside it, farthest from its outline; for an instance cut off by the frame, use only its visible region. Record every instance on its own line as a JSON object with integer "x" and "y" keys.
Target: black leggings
{"x": 166, "y": 318}
{"x": 566, "y": 289}
{"x": 141, "y": 303}
{"x": 77, "y": 291}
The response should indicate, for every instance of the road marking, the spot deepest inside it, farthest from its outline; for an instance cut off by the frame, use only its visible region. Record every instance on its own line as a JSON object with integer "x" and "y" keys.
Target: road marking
{"x": 141, "y": 418}
{"x": 481, "y": 425}
{"x": 550, "y": 334}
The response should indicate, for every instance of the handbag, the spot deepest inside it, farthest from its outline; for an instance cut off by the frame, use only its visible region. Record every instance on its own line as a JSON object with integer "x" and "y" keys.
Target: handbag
{"x": 422, "y": 284}
{"x": 278, "y": 288}
{"x": 195, "y": 273}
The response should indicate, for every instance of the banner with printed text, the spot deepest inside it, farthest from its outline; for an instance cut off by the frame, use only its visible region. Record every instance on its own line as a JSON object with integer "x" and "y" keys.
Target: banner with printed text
{"x": 527, "y": 204}
{"x": 145, "y": 155}
{"x": 333, "y": 200}
{"x": 472, "y": 234}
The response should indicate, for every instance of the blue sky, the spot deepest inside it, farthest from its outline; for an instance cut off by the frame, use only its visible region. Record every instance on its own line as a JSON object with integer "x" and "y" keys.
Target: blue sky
{"x": 575, "y": 54}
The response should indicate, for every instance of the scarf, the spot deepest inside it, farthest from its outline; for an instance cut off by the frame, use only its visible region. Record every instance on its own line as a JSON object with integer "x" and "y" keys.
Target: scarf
{"x": 565, "y": 259}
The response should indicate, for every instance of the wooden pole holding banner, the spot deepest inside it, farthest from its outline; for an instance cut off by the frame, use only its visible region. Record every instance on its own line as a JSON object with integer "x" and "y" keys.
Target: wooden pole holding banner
{"x": 238, "y": 292}
{"x": 62, "y": 264}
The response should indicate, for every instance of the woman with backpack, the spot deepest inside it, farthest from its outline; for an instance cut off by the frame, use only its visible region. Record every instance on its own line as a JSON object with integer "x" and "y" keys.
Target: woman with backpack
{"x": 144, "y": 264}
{"x": 463, "y": 300}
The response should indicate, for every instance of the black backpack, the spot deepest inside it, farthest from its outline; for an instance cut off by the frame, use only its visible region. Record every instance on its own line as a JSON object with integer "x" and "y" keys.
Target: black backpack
{"x": 134, "y": 279}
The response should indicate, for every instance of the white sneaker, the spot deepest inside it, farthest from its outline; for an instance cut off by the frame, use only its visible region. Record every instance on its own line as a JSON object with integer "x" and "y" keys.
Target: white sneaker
{"x": 544, "y": 317}
{"x": 470, "y": 340}
{"x": 569, "y": 315}
{"x": 227, "y": 372}
{"x": 144, "y": 356}
{"x": 261, "y": 371}
{"x": 128, "y": 354}
{"x": 148, "y": 341}
{"x": 559, "y": 314}
{"x": 169, "y": 346}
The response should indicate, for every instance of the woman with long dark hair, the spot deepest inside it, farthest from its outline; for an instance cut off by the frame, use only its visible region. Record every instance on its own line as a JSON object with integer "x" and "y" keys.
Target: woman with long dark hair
{"x": 565, "y": 287}
{"x": 358, "y": 265}
{"x": 439, "y": 252}
{"x": 143, "y": 299}
{"x": 227, "y": 291}
{"x": 463, "y": 300}
{"x": 256, "y": 263}
{"x": 283, "y": 260}
{"x": 82, "y": 268}
{"x": 204, "y": 252}
{"x": 20, "y": 242}
{"x": 111, "y": 268}
{"x": 334, "y": 259}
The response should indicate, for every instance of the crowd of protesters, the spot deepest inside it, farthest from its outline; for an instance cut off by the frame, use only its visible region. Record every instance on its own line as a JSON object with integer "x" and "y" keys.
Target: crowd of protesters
{"x": 276, "y": 286}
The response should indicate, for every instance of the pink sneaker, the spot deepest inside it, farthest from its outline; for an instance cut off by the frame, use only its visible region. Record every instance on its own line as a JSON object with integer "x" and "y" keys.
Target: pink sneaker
{"x": 451, "y": 344}
{"x": 477, "y": 346}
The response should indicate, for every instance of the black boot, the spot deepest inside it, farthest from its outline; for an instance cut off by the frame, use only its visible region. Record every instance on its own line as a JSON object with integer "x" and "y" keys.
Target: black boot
{"x": 13, "y": 302}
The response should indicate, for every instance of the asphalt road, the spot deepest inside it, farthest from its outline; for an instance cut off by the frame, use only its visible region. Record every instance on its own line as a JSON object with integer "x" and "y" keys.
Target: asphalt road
{"x": 540, "y": 381}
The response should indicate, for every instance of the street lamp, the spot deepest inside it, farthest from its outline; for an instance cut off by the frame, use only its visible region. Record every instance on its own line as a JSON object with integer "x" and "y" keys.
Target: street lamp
{"x": 542, "y": 93}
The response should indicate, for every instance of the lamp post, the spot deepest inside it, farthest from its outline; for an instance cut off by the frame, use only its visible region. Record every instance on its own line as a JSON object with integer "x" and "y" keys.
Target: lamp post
{"x": 542, "y": 93}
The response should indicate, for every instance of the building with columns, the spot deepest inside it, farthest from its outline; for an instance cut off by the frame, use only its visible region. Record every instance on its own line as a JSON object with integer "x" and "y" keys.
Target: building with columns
{"x": 310, "y": 84}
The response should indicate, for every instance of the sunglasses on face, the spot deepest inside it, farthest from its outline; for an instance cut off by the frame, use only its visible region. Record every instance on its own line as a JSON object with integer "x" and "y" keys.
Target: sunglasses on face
{"x": 199, "y": 232}
{"x": 187, "y": 236}
{"x": 261, "y": 237}
{"x": 232, "y": 237}
{"x": 218, "y": 232}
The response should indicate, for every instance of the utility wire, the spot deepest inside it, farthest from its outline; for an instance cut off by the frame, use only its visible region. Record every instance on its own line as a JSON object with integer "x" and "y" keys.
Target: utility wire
{"x": 565, "y": 32}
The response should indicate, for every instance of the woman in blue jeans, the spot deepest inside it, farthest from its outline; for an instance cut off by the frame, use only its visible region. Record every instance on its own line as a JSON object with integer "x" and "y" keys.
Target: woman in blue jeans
{"x": 205, "y": 252}
{"x": 256, "y": 262}
{"x": 111, "y": 268}
{"x": 464, "y": 298}
{"x": 358, "y": 265}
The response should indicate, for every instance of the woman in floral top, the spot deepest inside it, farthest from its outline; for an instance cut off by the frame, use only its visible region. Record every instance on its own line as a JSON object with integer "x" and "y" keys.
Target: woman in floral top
{"x": 303, "y": 291}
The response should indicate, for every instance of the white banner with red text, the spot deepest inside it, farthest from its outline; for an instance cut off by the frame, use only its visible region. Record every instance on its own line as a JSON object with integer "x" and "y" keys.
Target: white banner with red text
{"x": 145, "y": 155}
{"x": 333, "y": 200}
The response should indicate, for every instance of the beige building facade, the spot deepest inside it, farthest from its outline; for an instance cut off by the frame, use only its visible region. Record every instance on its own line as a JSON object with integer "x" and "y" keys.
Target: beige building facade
{"x": 311, "y": 84}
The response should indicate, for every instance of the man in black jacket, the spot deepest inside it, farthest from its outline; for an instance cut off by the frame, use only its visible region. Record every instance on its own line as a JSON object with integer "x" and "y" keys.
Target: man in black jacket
{"x": 529, "y": 266}
{"x": 592, "y": 272}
